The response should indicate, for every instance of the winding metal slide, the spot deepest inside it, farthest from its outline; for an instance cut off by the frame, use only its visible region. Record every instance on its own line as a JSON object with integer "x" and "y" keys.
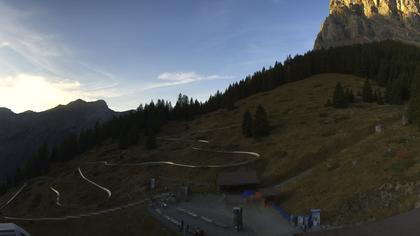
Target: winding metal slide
{"x": 255, "y": 156}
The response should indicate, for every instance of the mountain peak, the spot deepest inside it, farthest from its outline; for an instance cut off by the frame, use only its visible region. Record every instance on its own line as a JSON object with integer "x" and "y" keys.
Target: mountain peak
{"x": 82, "y": 103}
{"x": 364, "y": 21}
{"x": 370, "y": 8}
{"x": 4, "y": 110}
{"x": 77, "y": 102}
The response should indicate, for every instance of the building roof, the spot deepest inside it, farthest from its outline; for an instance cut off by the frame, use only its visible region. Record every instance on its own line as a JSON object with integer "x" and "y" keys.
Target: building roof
{"x": 10, "y": 229}
{"x": 237, "y": 178}
{"x": 269, "y": 192}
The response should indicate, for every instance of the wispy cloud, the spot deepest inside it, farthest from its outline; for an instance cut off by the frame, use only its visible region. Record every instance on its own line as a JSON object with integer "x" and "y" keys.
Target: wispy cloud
{"x": 169, "y": 79}
{"x": 54, "y": 66}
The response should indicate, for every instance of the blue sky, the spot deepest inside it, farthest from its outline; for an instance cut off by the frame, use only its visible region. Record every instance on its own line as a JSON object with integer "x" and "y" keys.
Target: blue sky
{"x": 129, "y": 52}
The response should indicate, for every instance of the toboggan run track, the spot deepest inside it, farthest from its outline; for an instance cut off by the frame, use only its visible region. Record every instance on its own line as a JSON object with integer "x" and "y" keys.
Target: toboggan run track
{"x": 256, "y": 156}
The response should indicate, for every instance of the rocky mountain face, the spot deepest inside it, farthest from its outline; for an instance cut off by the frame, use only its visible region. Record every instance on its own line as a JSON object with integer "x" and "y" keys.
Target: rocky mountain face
{"x": 22, "y": 134}
{"x": 364, "y": 21}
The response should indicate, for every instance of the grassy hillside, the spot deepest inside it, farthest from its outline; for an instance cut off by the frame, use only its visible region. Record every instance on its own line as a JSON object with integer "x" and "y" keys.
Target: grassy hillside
{"x": 348, "y": 171}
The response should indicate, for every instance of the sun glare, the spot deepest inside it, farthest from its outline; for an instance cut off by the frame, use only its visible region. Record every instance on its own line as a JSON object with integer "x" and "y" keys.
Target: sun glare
{"x": 28, "y": 92}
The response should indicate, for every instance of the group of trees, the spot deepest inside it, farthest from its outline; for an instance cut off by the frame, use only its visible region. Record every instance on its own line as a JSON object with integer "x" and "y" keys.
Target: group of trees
{"x": 342, "y": 98}
{"x": 393, "y": 65}
{"x": 257, "y": 126}
{"x": 370, "y": 96}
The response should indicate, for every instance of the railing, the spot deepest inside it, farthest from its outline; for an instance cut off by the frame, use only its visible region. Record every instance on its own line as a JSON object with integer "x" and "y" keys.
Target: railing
{"x": 282, "y": 212}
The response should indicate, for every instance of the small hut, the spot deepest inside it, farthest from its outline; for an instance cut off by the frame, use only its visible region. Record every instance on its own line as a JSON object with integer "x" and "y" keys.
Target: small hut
{"x": 379, "y": 128}
{"x": 237, "y": 181}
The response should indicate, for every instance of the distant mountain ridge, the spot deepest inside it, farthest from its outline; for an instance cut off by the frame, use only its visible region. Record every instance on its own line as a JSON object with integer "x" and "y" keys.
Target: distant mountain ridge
{"x": 21, "y": 134}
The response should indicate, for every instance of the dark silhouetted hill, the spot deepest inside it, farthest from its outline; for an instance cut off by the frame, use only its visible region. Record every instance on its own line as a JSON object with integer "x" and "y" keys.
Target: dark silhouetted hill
{"x": 21, "y": 134}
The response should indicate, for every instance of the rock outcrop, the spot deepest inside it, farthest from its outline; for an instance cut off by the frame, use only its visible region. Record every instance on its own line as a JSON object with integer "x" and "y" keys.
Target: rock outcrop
{"x": 364, "y": 21}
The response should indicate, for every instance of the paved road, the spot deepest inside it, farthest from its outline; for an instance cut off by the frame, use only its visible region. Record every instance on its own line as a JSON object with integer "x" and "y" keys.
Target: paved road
{"x": 258, "y": 220}
{"x": 406, "y": 224}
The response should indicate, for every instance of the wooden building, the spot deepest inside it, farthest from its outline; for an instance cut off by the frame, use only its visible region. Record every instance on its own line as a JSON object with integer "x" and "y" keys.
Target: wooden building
{"x": 237, "y": 181}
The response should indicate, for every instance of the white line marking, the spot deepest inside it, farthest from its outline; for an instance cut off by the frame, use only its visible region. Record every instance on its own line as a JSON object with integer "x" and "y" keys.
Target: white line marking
{"x": 95, "y": 184}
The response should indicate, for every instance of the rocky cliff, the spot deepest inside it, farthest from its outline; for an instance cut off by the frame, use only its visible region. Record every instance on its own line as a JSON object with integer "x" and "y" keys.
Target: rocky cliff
{"x": 363, "y": 21}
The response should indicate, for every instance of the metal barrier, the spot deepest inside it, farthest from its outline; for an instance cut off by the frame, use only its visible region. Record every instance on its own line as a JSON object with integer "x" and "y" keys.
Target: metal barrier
{"x": 282, "y": 212}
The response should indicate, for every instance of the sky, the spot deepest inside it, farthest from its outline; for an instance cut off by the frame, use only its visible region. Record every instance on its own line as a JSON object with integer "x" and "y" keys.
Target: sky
{"x": 129, "y": 52}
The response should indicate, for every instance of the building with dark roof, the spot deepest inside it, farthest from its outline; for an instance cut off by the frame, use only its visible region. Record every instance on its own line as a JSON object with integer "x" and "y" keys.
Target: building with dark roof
{"x": 237, "y": 181}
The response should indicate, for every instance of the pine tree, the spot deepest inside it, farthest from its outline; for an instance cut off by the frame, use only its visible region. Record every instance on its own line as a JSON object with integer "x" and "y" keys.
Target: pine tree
{"x": 123, "y": 140}
{"x": 388, "y": 92}
{"x": 349, "y": 96}
{"x": 367, "y": 93}
{"x": 397, "y": 92}
{"x": 329, "y": 103}
{"x": 18, "y": 176}
{"x": 379, "y": 98}
{"x": 339, "y": 97}
{"x": 375, "y": 96}
{"x": 414, "y": 104}
{"x": 151, "y": 141}
{"x": 247, "y": 124}
{"x": 3, "y": 188}
{"x": 261, "y": 127}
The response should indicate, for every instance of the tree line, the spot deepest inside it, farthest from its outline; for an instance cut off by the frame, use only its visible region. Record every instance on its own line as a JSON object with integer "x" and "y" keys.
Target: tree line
{"x": 343, "y": 97}
{"x": 393, "y": 65}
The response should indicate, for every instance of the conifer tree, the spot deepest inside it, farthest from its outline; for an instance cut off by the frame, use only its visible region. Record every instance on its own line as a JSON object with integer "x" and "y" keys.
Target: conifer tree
{"x": 349, "y": 96}
{"x": 339, "y": 97}
{"x": 396, "y": 92}
{"x": 3, "y": 188}
{"x": 151, "y": 141}
{"x": 123, "y": 140}
{"x": 380, "y": 98}
{"x": 329, "y": 103}
{"x": 247, "y": 124}
{"x": 18, "y": 176}
{"x": 388, "y": 92}
{"x": 367, "y": 93}
{"x": 414, "y": 104}
{"x": 261, "y": 127}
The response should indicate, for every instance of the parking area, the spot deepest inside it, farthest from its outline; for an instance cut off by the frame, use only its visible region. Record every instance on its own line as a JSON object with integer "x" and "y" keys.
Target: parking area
{"x": 213, "y": 214}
